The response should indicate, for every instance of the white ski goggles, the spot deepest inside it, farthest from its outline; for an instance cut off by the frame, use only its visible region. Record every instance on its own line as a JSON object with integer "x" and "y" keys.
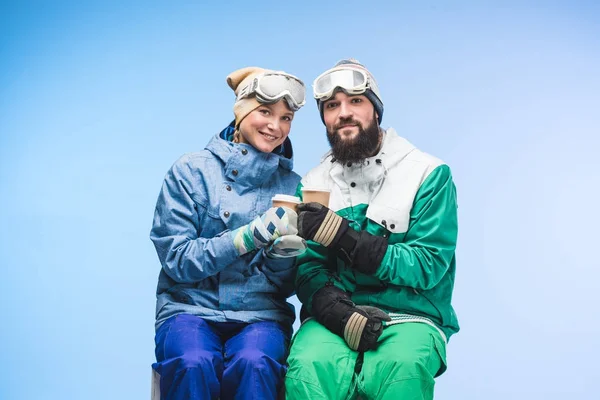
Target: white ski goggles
{"x": 271, "y": 87}
{"x": 351, "y": 81}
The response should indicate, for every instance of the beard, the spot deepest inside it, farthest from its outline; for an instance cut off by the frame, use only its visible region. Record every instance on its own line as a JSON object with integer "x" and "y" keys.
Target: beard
{"x": 355, "y": 150}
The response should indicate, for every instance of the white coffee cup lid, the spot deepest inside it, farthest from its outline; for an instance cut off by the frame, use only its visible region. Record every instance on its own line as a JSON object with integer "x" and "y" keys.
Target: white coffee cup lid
{"x": 285, "y": 197}
{"x": 315, "y": 189}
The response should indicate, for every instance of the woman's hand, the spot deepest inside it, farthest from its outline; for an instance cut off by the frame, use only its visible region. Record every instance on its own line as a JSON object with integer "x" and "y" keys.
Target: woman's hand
{"x": 274, "y": 223}
{"x": 286, "y": 246}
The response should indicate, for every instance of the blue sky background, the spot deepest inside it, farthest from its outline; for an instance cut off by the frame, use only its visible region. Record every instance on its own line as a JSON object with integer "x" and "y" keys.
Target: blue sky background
{"x": 98, "y": 99}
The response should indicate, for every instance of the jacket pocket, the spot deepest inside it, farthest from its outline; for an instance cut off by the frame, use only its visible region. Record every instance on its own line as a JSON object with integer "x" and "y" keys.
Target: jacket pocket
{"x": 209, "y": 225}
{"x": 201, "y": 294}
{"x": 393, "y": 219}
{"x": 440, "y": 349}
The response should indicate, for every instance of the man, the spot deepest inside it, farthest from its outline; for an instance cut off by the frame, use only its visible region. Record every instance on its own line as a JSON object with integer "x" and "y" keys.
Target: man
{"x": 377, "y": 279}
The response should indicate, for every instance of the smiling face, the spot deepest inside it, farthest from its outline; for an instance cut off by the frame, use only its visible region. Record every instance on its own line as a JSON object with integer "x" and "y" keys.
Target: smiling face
{"x": 347, "y": 115}
{"x": 352, "y": 128}
{"x": 267, "y": 126}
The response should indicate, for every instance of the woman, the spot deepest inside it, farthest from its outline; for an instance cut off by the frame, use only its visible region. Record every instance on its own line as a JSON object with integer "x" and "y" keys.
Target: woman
{"x": 222, "y": 321}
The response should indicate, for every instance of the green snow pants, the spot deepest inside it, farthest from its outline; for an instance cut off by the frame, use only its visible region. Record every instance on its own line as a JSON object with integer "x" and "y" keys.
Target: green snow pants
{"x": 322, "y": 366}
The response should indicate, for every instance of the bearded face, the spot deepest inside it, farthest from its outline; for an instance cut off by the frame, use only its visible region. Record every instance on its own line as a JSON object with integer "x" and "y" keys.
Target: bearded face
{"x": 354, "y": 148}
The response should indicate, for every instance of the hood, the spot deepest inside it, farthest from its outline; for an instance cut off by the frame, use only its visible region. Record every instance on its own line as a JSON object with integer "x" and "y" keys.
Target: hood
{"x": 284, "y": 153}
{"x": 373, "y": 170}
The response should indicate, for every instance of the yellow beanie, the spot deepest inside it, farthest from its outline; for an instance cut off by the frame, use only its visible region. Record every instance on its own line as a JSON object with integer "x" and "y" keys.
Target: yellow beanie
{"x": 237, "y": 80}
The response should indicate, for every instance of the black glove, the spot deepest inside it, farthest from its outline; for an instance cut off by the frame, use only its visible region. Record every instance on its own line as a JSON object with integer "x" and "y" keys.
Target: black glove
{"x": 359, "y": 250}
{"x": 360, "y": 326}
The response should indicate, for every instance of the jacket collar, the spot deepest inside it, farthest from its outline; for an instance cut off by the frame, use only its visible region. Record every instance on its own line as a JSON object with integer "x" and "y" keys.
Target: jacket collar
{"x": 246, "y": 165}
{"x": 372, "y": 171}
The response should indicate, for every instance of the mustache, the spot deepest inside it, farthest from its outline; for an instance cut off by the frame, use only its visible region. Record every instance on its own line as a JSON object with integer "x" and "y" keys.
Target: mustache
{"x": 347, "y": 122}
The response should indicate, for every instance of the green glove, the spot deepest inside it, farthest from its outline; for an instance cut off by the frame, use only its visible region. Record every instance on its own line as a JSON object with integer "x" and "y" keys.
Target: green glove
{"x": 275, "y": 222}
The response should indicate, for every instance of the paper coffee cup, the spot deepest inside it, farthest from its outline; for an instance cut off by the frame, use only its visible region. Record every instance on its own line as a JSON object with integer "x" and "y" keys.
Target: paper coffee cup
{"x": 283, "y": 200}
{"x": 318, "y": 195}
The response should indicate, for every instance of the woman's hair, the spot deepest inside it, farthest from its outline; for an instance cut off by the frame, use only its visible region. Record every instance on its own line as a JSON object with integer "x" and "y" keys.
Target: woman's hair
{"x": 236, "y": 135}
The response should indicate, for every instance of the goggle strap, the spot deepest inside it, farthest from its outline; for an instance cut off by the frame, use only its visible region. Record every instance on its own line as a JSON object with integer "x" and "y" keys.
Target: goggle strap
{"x": 289, "y": 99}
{"x": 248, "y": 89}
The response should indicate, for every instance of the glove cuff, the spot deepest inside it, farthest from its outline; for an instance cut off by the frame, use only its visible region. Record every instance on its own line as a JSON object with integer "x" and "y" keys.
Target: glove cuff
{"x": 242, "y": 240}
{"x": 332, "y": 307}
{"x": 362, "y": 250}
{"x": 346, "y": 245}
{"x": 369, "y": 252}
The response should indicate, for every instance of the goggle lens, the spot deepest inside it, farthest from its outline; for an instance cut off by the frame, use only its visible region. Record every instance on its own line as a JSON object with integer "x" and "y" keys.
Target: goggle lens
{"x": 347, "y": 79}
{"x": 272, "y": 87}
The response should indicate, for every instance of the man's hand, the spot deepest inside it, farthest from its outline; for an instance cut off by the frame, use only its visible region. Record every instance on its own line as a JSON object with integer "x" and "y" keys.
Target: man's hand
{"x": 318, "y": 223}
{"x": 364, "y": 327}
{"x": 359, "y": 250}
{"x": 360, "y": 326}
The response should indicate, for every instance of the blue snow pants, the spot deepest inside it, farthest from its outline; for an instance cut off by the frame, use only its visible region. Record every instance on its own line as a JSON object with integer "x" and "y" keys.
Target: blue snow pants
{"x": 197, "y": 359}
